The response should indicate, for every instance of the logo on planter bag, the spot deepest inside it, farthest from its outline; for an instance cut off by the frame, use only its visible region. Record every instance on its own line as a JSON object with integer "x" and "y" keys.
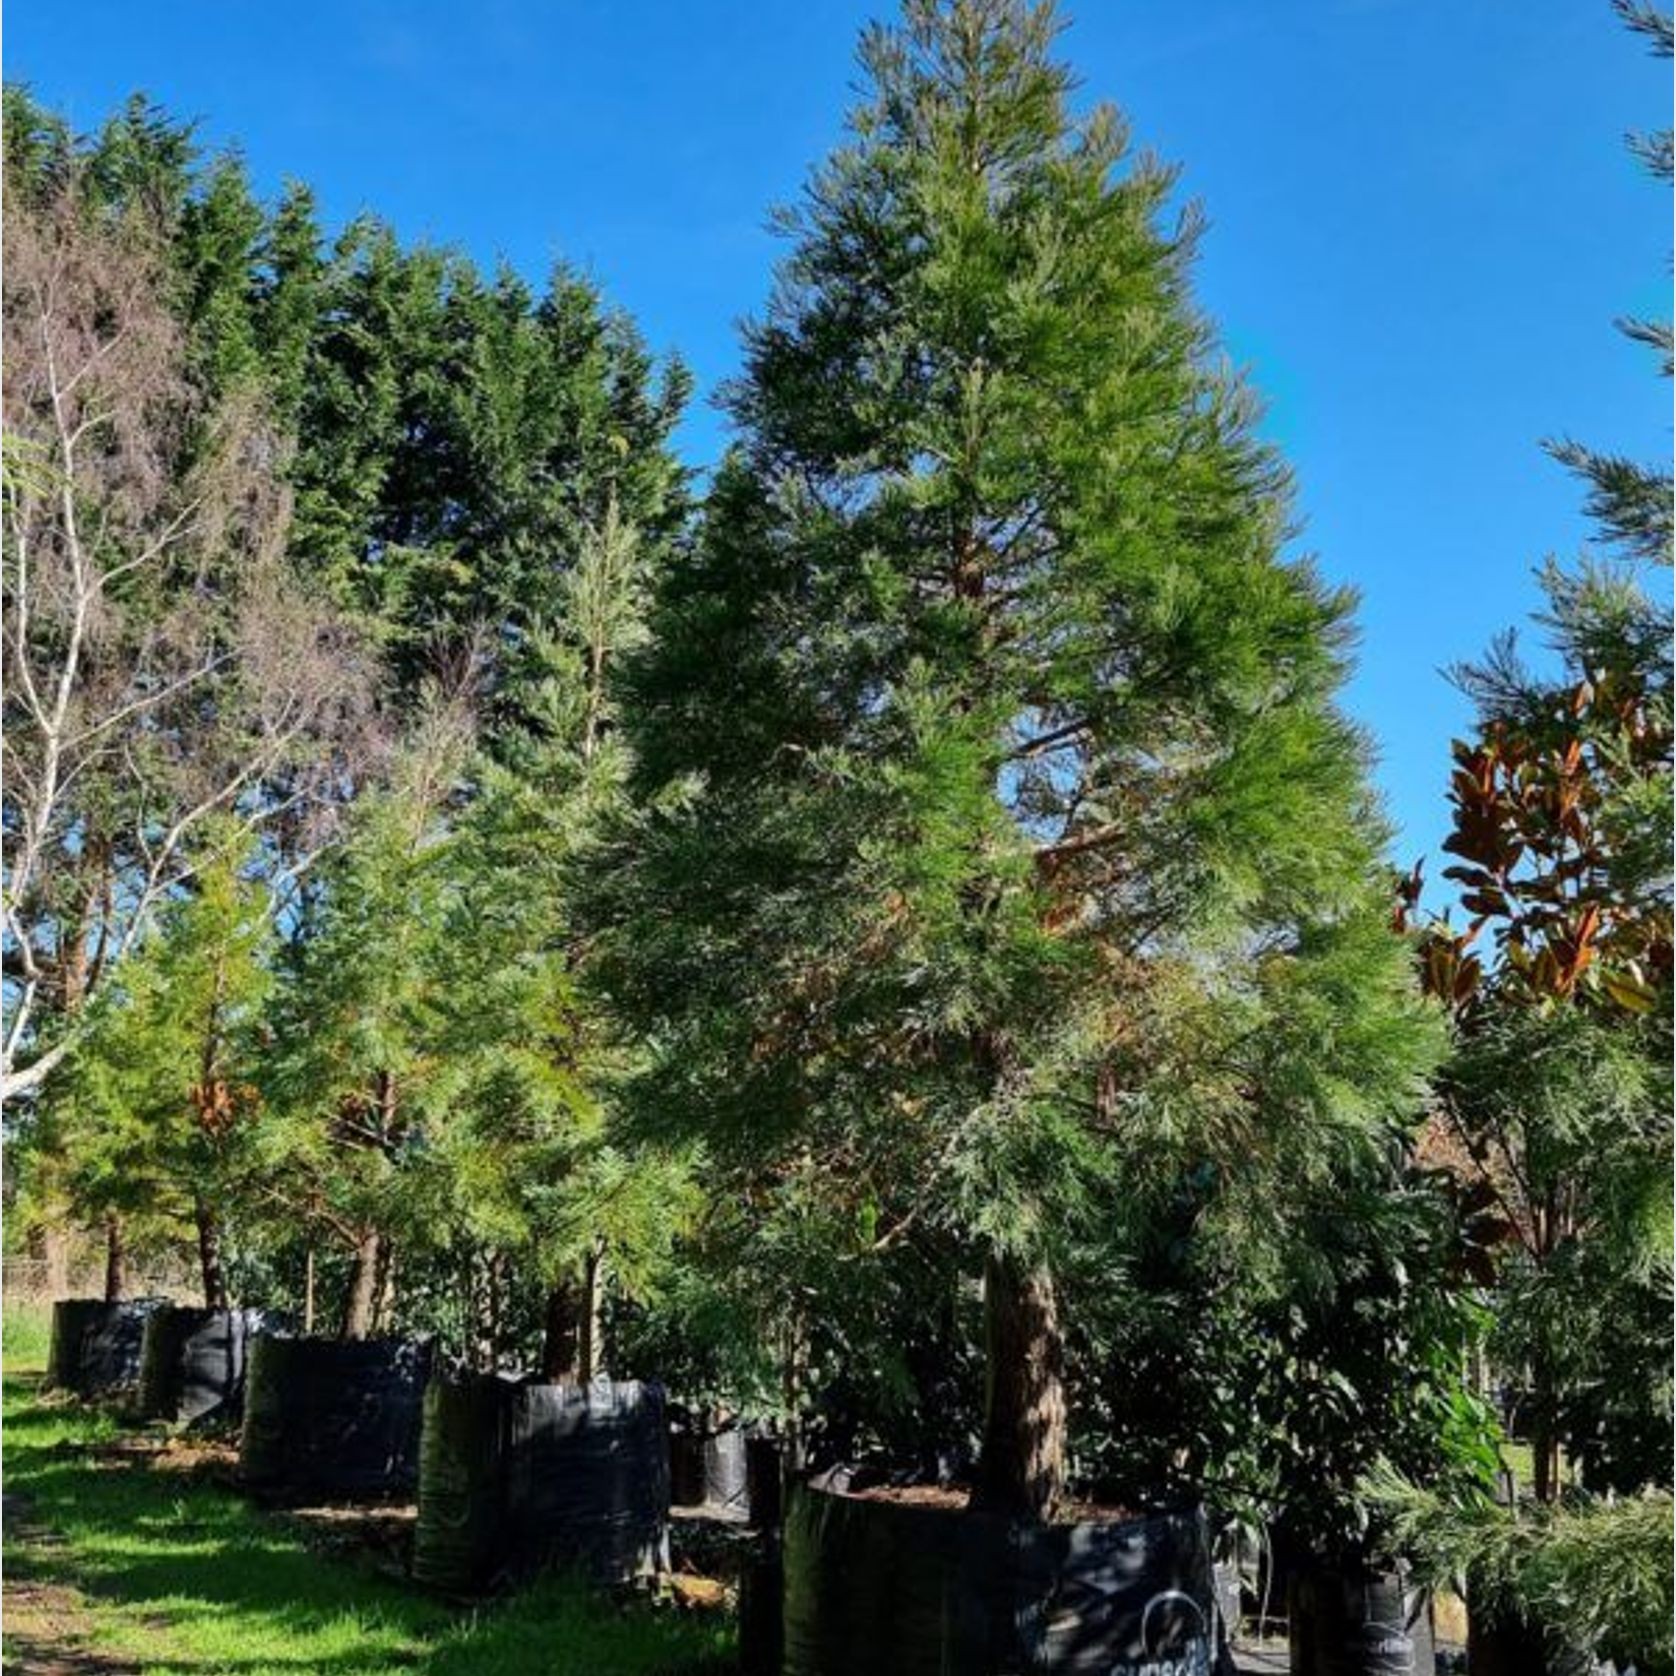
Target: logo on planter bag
{"x": 1389, "y": 1648}
{"x": 1173, "y": 1636}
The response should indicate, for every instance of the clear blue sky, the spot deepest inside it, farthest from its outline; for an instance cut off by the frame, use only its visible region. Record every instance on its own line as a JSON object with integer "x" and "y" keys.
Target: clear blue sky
{"x": 1423, "y": 223}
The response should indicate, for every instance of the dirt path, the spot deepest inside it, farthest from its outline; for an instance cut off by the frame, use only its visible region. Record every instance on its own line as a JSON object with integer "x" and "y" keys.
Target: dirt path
{"x": 47, "y": 1624}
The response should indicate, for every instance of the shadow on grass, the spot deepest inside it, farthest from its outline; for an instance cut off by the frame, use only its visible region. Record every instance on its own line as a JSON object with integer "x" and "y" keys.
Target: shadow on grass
{"x": 191, "y": 1578}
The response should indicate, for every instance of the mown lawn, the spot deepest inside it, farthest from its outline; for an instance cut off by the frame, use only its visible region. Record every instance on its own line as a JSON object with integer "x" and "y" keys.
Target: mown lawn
{"x": 115, "y": 1564}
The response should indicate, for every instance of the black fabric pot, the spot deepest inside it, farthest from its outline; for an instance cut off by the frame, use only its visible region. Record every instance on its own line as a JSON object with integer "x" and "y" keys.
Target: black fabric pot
{"x": 517, "y": 1475}
{"x": 96, "y": 1345}
{"x": 588, "y": 1478}
{"x": 761, "y": 1630}
{"x": 459, "y": 1539}
{"x": 1508, "y": 1644}
{"x": 331, "y": 1417}
{"x": 1355, "y": 1620}
{"x": 764, "y": 1492}
{"x": 192, "y": 1362}
{"x": 899, "y": 1590}
{"x": 707, "y": 1465}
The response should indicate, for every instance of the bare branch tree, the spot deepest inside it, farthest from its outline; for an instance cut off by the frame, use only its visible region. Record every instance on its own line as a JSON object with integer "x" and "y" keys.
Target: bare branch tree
{"x": 162, "y": 661}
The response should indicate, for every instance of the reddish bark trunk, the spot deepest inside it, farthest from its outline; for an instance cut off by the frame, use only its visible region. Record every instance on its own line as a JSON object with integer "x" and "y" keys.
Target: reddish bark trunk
{"x": 1021, "y": 1466}
{"x": 209, "y": 1255}
{"x": 590, "y": 1355}
{"x": 561, "y": 1344}
{"x": 384, "y": 1293}
{"x": 361, "y": 1300}
{"x": 116, "y": 1261}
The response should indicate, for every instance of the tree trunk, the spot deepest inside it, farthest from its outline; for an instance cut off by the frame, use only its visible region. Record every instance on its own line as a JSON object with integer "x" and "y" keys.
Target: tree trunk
{"x": 308, "y": 1290}
{"x": 561, "y": 1344}
{"x": 361, "y": 1300}
{"x": 792, "y": 1370}
{"x": 590, "y": 1354}
{"x": 209, "y": 1254}
{"x": 384, "y": 1294}
{"x": 1545, "y": 1456}
{"x": 116, "y": 1261}
{"x": 1022, "y": 1463}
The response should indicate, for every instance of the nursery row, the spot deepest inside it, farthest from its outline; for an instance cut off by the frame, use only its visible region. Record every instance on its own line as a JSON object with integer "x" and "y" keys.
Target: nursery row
{"x": 513, "y": 1475}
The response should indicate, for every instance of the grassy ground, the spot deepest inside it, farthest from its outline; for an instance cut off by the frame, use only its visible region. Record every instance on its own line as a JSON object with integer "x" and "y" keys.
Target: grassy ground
{"x": 24, "y": 1332}
{"x": 113, "y": 1563}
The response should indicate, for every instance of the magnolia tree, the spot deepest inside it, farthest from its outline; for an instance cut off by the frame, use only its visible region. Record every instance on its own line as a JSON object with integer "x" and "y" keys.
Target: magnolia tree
{"x": 1556, "y": 1101}
{"x": 1553, "y": 1112}
{"x": 1007, "y": 853}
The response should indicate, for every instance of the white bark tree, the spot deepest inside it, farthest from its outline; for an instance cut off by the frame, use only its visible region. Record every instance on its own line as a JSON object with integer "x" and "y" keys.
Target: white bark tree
{"x": 162, "y": 661}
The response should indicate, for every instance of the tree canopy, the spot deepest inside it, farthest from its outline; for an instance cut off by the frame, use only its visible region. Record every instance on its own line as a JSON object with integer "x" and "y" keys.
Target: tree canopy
{"x": 1008, "y": 854}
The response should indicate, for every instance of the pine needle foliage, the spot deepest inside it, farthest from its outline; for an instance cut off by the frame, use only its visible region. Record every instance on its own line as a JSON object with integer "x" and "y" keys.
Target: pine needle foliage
{"x": 156, "y": 1119}
{"x": 1598, "y": 1571}
{"x": 1009, "y": 853}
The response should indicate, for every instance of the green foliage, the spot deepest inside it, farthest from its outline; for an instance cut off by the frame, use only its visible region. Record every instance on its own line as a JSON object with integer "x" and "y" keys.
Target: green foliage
{"x": 1274, "y": 1394}
{"x": 156, "y": 1114}
{"x": 1596, "y": 1573}
{"x": 479, "y": 476}
{"x": 25, "y": 1335}
{"x": 453, "y": 436}
{"x": 1008, "y": 853}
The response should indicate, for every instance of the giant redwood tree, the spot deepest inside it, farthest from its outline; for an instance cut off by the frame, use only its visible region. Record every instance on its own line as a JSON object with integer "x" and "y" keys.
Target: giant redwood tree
{"x": 1009, "y": 855}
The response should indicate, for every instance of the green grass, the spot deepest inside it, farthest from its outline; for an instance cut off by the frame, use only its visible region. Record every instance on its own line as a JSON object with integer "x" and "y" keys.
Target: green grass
{"x": 24, "y": 1332}
{"x": 178, "y": 1576}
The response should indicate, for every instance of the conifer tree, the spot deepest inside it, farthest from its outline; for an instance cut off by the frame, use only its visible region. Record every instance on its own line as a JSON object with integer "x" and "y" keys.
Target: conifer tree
{"x": 352, "y": 1071}
{"x": 539, "y": 1172}
{"x": 153, "y": 1119}
{"x": 1009, "y": 854}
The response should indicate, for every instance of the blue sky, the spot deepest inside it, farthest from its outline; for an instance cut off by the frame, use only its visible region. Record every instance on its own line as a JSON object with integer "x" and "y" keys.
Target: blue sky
{"x": 1423, "y": 223}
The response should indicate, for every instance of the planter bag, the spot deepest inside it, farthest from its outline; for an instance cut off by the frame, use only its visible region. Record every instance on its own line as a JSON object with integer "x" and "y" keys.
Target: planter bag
{"x": 458, "y": 1539}
{"x": 764, "y": 1456}
{"x": 707, "y": 1466}
{"x": 331, "y": 1417}
{"x": 517, "y": 1475}
{"x": 1357, "y": 1622}
{"x": 587, "y": 1478}
{"x": 96, "y": 1345}
{"x": 1507, "y": 1644}
{"x": 761, "y": 1584}
{"x": 193, "y": 1361}
{"x": 899, "y": 1590}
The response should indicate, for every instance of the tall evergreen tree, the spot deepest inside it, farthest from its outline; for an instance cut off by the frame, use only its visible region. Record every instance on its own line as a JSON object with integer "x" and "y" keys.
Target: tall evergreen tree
{"x": 541, "y": 1175}
{"x": 153, "y": 1117}
{"x": 1010, "y": 855}
{"x": 352, "y": 1074}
